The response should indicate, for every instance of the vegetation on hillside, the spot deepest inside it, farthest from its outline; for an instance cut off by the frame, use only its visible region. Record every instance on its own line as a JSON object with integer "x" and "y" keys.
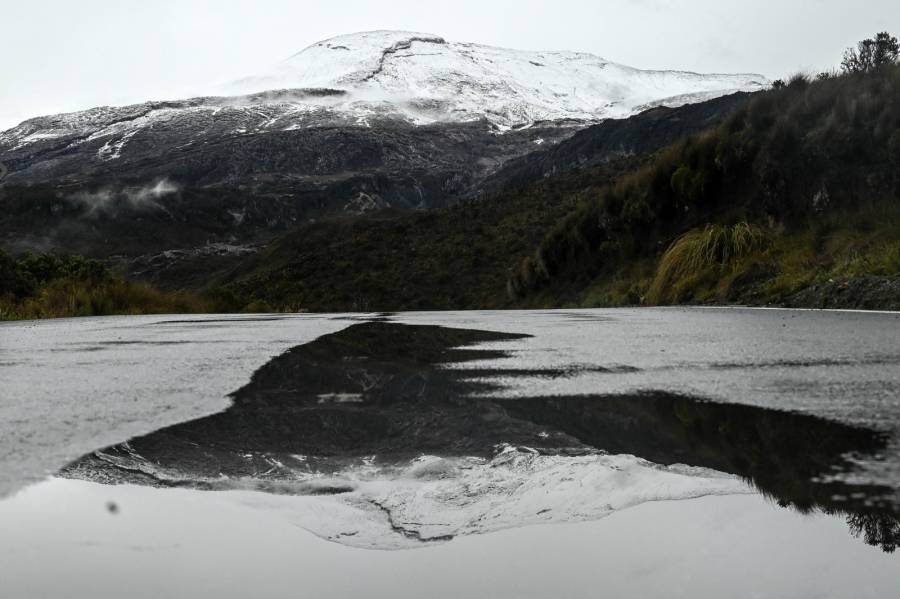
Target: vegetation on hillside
{"x": 835, "y": 254}
{"x": 47, "y": 286}
{"x": 872, "y": 54}
{"x": 455, "y": 258}
{"x": 809, "y": 158}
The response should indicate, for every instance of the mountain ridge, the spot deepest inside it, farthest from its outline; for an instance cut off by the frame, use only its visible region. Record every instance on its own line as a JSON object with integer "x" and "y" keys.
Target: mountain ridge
{"x": 314, "y": 73}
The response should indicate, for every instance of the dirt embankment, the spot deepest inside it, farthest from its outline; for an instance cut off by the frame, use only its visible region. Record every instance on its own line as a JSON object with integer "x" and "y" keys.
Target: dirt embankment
{"x": 860, "y": 293}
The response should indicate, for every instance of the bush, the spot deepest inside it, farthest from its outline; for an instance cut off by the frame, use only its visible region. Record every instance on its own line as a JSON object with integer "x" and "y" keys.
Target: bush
{"x": 872, "y": 54}
{"x": 716, "y": 246}
{"x": 13, "y": 282}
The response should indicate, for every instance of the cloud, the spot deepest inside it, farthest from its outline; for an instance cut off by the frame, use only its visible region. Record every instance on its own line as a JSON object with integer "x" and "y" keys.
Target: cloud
{"x": 147, "y": 195}
{"x": 110, "y": 201}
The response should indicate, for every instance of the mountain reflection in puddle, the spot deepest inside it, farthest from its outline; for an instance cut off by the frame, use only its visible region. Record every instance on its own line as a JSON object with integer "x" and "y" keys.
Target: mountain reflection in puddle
{"x": 368, "y": 414}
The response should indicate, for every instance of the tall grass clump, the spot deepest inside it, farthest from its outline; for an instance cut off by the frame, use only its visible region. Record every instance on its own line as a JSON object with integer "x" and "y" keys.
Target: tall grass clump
{"x": 699, "y": 250}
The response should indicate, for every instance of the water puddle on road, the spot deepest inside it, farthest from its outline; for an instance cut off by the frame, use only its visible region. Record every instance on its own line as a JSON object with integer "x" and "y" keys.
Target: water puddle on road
{"x": 380, "y": 437}
{"x": 420, "y": 453}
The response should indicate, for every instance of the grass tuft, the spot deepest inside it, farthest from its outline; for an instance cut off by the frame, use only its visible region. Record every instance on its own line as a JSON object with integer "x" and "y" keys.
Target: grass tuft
{"x": 697, "y": 251}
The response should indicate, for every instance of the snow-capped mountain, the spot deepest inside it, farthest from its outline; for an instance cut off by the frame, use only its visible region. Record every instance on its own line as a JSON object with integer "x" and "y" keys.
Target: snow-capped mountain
{"x": 418, "y": 78}
{"x": 427, "y": 79}
{"x": 352, "y": 124}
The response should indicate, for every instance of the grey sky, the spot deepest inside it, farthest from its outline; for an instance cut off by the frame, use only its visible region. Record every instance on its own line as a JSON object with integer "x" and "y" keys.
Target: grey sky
{"x": 63, "y": 55}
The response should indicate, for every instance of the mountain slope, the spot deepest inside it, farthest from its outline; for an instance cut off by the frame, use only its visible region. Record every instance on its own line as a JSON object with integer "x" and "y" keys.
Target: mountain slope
{"x": 793, "y": 199}
{"x": 459, "y": 257}
{"x": 614, "y": 138}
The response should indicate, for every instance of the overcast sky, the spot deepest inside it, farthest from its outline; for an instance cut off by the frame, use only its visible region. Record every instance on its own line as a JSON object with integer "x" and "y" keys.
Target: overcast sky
{"x": 63, "y": 55}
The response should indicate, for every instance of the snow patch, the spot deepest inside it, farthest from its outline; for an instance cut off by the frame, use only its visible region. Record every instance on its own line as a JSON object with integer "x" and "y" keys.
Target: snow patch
{"x": 112, "y": 150}
{"x": 36, "y": 137}
{"x": 510, "y": 88}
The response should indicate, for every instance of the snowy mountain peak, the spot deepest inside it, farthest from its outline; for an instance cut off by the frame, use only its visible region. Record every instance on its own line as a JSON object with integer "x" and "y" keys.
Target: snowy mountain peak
{"x": 356, "y": 58}
{"x": 429, "y": 79}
